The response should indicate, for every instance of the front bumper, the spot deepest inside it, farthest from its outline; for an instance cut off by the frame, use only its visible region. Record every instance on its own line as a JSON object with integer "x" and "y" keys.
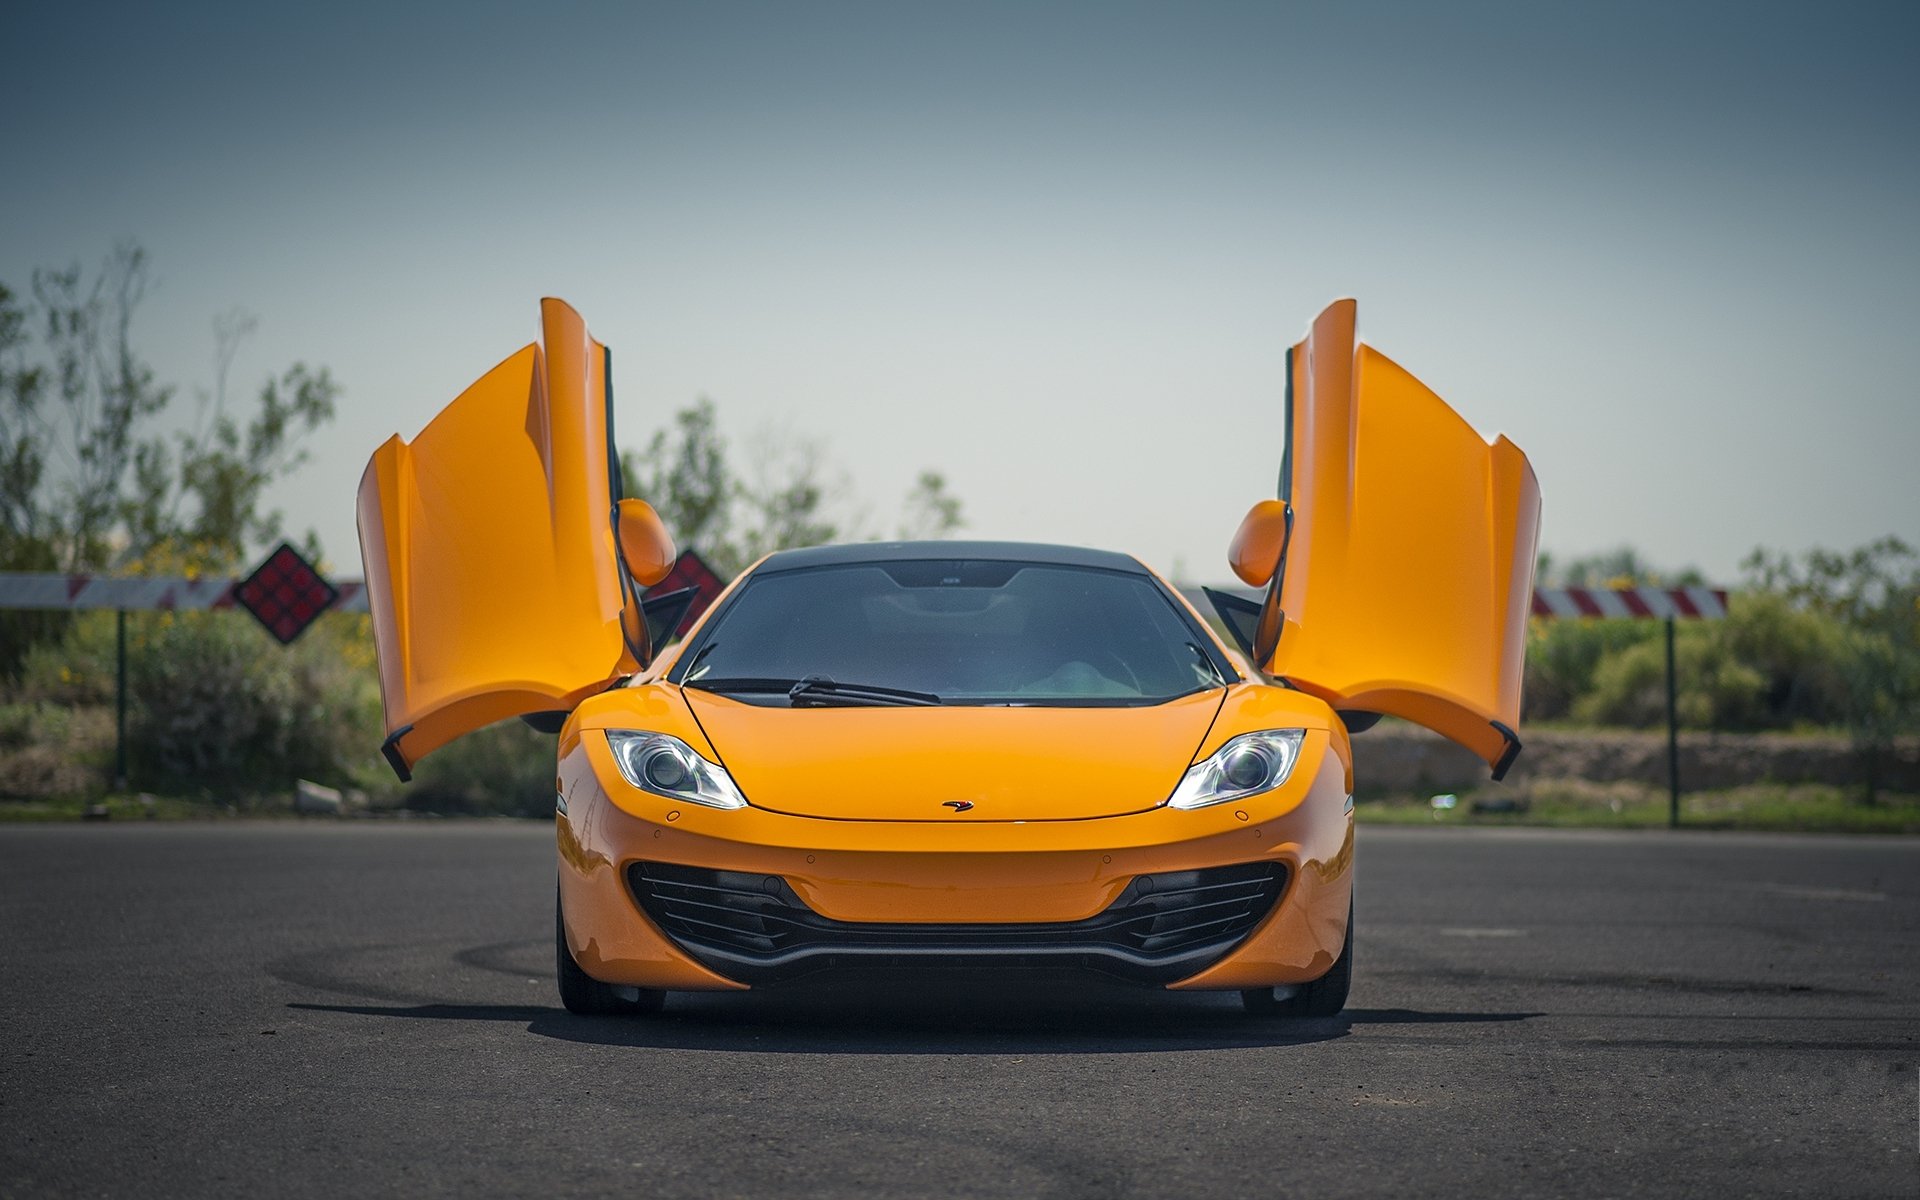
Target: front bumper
{"x": 986, "y": 893}
{"x": 756, "y": 929}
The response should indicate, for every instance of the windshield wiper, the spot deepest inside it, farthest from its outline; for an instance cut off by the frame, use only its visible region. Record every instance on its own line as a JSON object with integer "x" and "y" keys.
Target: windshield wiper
{"x": 820, "y": 691}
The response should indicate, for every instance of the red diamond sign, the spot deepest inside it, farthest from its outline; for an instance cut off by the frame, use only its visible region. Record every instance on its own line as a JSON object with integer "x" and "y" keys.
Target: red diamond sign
{"x": 285, "y": 594}
{"x": 690, "y": 571}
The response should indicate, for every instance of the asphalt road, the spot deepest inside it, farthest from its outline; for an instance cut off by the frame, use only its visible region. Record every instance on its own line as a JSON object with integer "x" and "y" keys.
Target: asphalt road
{"x": 368, "y": 1009}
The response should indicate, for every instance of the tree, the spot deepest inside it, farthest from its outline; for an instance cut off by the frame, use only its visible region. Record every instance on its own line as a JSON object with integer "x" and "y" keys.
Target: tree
{"x": 25, "y": 541}
{"x": 220, "y": 473}
{"x": 72, "y": 417}
{"x": 790, "y": 495}
{"x": 683, "y": 473}
{"x": 931, "y": 511}
{"x": 1874, "y": 592}
{"x": 22, "y": 460}
{"x": 86, "y": 480}
{"x": 791, "y": 498}
{"x": 1620, "y": 567}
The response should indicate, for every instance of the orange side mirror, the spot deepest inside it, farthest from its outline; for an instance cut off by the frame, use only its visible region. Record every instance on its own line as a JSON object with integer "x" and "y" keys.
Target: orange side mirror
{"x": 646, "y": 556}
{"x": 1258, "y": 543}
{"x": 645, "y": 545}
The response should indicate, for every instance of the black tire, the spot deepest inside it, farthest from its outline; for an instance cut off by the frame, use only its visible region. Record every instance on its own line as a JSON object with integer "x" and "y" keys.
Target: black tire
{"x": 587, "y": 996}
{"x": 1324, "y": 997}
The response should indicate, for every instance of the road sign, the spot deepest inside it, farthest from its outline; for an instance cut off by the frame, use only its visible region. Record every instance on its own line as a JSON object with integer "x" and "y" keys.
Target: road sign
{"x": 285, "y": 594}
{"x": 690, "y": 571}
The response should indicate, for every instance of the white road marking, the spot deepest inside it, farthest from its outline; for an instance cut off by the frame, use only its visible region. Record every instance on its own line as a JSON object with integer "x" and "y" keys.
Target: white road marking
{"x": 1813, "y": 893}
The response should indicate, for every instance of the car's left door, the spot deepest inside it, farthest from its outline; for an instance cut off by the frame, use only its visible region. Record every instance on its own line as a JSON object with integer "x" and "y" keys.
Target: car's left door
{"x": 489, "y": 547}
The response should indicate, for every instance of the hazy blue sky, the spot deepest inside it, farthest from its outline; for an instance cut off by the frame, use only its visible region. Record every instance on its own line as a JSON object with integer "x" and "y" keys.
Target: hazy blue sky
{"x": 1056, "y": 251}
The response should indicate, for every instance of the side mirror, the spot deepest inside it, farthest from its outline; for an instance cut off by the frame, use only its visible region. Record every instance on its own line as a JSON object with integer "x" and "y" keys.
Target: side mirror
{"x": 646, "y": 548}
{"x": 1258, "y": 544}
{"x": 646, "y": 557}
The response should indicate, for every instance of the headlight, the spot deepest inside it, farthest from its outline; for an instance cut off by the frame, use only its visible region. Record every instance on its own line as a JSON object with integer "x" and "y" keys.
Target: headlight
{"x": 1247, "y": 765}
{"x": 667, "y": 766}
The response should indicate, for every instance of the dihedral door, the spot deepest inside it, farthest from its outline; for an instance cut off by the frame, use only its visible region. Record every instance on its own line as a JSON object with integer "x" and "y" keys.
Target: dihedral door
{"x": 1407, "y": 577}
{"x": 489, "y": 550}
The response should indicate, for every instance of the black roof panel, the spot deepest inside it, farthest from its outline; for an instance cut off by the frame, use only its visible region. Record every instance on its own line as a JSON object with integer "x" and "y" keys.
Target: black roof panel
{"x": 875, "y": 552}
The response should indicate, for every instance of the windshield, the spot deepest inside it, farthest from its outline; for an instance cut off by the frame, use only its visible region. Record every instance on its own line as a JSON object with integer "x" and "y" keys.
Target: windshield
{"x": 972, "y": 632}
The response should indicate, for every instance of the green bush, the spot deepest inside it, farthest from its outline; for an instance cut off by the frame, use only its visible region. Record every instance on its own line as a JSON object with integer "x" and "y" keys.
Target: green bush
{"x": 77, "y": 668}
{"x": 219, "y": 710}
{"x": 222, "y": 708}
{"x": 1769, "y": 664}
{"x": 505, "y": 769}
{"x": 50, "y": 751}
{"x": 1715, "y": 689}
{"x": 1562, "y": 657}
{"x": 1801, "y": 657}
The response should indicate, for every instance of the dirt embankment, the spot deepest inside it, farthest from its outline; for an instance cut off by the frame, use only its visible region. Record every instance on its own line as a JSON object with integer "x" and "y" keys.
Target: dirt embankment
{"x": 1400, "y": 760}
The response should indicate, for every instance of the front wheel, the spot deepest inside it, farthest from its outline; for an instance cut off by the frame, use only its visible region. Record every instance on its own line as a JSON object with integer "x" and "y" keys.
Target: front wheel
{"x": 587, "y": 996}
{"x": 1324, "y": 997}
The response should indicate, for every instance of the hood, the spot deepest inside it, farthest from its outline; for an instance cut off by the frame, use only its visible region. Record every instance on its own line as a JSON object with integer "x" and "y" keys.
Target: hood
{"x": 904, "y": 764}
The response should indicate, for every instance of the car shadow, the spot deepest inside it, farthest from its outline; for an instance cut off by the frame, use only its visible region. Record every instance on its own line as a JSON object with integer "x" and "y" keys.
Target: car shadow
{"x": 972, "y": 1018}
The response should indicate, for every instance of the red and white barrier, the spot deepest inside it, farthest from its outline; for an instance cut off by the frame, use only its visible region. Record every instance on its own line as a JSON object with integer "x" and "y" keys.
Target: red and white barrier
{"x": 20, "y": 589}
{"x": 1645, "y": 602}
{"x": 23, "y": 589}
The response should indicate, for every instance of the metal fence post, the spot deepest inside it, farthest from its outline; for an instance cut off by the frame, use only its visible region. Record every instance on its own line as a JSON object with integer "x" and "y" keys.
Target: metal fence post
{"x": 1673, "y": 737}
{"x": 120, "y": 706}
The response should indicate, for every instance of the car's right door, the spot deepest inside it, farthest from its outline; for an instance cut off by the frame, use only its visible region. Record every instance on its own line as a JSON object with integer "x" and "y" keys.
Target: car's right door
{"x": 1405, "y": 546}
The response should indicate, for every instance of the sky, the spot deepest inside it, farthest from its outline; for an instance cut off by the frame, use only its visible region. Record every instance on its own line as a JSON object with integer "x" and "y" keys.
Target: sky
{"x": 1054, "y": 251}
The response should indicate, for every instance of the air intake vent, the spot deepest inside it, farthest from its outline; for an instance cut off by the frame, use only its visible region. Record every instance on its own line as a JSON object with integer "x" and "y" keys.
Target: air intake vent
{"x": 756, "y": 929}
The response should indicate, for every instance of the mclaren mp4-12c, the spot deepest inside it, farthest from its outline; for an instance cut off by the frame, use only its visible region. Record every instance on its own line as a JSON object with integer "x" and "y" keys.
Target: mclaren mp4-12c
{"x": 945, "y": 755}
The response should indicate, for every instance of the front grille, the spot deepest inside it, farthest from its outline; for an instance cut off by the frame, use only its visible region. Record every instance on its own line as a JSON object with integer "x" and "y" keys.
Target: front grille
{"x": 754, "y": 928}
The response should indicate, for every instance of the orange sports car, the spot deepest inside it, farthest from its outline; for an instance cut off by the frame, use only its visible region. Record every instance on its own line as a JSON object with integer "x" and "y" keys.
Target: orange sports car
{"x": 951, "y": 755}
